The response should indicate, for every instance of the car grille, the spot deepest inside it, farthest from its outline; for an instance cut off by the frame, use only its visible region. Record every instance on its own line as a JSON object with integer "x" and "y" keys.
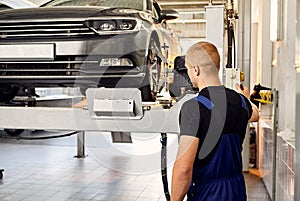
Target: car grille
{"x": 43, "y": 29}
{"x": 62, "y": 66}
{"x": 66, "y": 71}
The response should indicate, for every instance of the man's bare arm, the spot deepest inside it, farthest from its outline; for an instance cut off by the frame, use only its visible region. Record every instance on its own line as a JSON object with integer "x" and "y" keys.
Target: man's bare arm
{"x": 183, "y": 167}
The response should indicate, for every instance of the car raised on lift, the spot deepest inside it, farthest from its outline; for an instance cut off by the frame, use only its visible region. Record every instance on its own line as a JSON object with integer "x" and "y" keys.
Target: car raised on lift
{"x": 86, "y": 43}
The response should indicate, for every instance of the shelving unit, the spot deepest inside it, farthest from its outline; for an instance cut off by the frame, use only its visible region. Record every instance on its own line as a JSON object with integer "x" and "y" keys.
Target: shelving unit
{"x": 266, "y": 157}
{"x": 285, "y": 172}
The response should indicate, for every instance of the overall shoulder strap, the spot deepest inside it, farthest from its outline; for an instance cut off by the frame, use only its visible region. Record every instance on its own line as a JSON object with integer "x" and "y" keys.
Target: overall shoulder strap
{"x": 211, "y": 139}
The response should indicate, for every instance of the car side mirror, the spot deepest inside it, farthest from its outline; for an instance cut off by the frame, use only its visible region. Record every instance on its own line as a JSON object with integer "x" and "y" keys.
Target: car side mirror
{"x": 168, "y": 15}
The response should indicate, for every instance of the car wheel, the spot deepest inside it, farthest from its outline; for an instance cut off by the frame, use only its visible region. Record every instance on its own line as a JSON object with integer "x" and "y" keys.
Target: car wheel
{"x": 14, "y": 132}
{"x": 151, "y": 83}
{"x": 7, "y": 93}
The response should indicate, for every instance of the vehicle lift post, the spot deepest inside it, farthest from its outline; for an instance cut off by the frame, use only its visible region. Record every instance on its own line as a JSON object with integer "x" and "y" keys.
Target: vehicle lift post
{"x": 80, "y": 144}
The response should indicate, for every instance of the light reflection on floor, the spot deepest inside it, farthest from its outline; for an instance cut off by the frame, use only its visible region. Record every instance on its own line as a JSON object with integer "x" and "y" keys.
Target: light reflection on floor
{"x": 47, "y": 169}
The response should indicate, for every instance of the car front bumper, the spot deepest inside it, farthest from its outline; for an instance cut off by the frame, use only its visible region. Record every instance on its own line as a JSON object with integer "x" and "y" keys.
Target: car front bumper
{"x": 78, "y": 61}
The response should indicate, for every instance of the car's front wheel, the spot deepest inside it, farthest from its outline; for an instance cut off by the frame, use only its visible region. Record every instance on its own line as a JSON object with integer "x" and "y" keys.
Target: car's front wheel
{"x": 7, "y": 93}
{"x": 150, "y": 86}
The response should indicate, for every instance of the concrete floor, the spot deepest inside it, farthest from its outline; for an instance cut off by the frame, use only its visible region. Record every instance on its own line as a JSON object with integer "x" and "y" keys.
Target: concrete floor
{"x": 37, "y": 170}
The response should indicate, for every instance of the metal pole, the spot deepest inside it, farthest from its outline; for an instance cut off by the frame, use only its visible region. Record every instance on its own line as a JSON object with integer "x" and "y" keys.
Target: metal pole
{"x": 164, "y": 165}
{"x": 297, "y": 140}
{"x": 243, "y": 59}
{"x": 297, "y": 116}
{"x": 81, "y": 144}
{"x": 275, "y": 126}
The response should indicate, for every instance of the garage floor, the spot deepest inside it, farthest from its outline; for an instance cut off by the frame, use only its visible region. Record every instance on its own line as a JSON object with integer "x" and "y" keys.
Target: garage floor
{"x": 37, "y": 170}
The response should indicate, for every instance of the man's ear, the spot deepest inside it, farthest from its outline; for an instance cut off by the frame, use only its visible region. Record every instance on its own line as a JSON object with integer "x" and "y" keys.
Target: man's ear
{"x": 197, "y": 70}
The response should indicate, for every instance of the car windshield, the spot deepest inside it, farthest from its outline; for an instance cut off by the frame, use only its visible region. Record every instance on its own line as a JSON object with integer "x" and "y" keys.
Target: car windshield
{"x": 135, "y": 4}
{"x": 3, "y": 7}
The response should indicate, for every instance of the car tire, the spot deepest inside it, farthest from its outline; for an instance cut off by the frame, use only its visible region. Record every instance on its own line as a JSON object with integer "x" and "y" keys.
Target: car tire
{"x": 150, "y": 85}
{"x": 7, "y": 93}
{"x": 14, "y": 132}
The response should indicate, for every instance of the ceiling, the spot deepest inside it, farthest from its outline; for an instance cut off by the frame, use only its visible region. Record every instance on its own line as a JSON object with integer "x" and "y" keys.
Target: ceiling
{"x": 187, "y": 5}
{"x": 191, "y": 23}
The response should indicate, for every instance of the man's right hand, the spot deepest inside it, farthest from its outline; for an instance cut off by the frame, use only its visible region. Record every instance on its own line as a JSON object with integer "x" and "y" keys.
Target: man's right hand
{"x": 243, "y": 90}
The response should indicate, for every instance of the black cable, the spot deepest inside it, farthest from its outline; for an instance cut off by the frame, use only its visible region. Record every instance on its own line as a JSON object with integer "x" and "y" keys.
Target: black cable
{"x": 229, "y": 54}
{"x": 164, "y": 166}
{"x": 231, "y": 40}
{"x": 234, "y": 49}
{"x": 44, "y": 137}
{"x": 47, "y": 137}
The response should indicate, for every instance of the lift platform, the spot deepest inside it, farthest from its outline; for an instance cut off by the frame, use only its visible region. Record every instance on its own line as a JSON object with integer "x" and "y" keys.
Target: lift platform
{"x": 105, "y": 110}
{"x": 116, "y": 110}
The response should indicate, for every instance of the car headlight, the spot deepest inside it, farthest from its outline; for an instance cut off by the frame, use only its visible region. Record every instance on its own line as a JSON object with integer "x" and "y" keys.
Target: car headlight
{"x": 107, "y": 26}
{"x": 115, "y": 62}
{"x": 113, "y": 26}
{"x": 126, "y": 25}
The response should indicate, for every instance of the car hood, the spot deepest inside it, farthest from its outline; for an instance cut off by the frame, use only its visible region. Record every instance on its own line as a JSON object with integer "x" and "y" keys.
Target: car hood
{"x": 67, "y": 13}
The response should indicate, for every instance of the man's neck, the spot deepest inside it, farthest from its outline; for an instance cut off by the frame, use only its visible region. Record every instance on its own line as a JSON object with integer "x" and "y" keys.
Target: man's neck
{"x": 211, "y": 82}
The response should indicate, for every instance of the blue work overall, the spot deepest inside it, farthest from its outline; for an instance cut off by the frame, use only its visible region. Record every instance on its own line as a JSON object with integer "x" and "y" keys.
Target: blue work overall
{"x": 220, "y": 178}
